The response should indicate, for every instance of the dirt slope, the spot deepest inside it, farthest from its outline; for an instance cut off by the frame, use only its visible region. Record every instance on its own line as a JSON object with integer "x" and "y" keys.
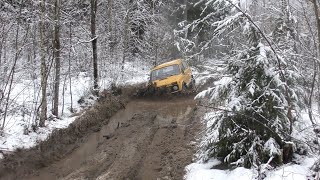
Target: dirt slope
{"x": 149, "y": 139}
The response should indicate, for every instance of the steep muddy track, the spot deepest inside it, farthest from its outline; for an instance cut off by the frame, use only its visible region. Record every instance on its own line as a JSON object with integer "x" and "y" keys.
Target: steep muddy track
{"x": 149, "y": 139}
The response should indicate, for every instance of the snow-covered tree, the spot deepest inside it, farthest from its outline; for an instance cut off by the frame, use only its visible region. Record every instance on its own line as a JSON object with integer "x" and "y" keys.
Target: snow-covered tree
{"x": 255, "y": 107}
{"x": 258, "y": 95}
{"x": 194, "y": 34}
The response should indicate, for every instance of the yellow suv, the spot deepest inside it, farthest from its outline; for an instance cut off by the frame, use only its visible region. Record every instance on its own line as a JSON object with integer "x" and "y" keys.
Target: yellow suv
{"x": 173, "y": 76}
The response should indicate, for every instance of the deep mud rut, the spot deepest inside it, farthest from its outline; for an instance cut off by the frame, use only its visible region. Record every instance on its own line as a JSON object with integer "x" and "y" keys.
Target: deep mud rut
{"x": 149, "y": 139}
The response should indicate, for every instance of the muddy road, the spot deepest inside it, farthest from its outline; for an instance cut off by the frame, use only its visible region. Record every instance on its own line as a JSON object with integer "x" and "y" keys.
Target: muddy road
{"x": 149, "y": 139}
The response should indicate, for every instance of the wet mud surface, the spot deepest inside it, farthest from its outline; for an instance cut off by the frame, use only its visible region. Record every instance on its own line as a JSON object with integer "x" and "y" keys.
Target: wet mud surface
{"x": 149, "y": 139}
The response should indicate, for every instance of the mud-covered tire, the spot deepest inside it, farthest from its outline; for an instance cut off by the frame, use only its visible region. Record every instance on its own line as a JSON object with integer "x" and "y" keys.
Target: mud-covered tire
{"x": 150, "y": 91}
{"x": 184, "y": 87}
{"x": 192, "y": 84}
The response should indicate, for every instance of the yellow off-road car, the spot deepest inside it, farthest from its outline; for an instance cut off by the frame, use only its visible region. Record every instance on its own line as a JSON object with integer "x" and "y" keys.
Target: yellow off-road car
{"x": 173, "y": 76}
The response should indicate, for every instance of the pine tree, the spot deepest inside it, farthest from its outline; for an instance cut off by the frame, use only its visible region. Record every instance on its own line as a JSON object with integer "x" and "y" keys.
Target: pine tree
{"x": 258, "y": 97}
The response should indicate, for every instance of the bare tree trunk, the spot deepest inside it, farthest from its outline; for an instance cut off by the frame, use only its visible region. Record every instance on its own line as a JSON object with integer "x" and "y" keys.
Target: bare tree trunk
{"x": 94, "y": 44}
{"x": 2, "y": 42}
{"x": 56, "y": 46}
{"x": 315, "y": 5}
{"x": 36, "y": 92}
{"x": 156, "y": 35}
{"x": 125, "y": 41}
{"x": 5, "y": 52}
{"x": 63, "y": 92}
{"x": 43, "y": 105}
{"x": 69, "y": 67}
{"x": 111, "y": 36}
{"x": 186, "y": 17}
{"x": 316, "y": 11}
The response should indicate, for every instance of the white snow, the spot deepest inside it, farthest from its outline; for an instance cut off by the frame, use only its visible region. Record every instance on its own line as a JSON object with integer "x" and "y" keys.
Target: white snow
{"x": 272, "y": 147}
{"x": 292, "y": 171}
{"x": 26, "y": 98}
{"x": 204, "y": 169}
{"x": 14, "y": 137}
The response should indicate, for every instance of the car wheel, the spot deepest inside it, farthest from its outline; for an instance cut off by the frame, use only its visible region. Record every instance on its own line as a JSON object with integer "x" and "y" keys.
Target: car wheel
{"x": 192, "y": 84}
{"x": 151, "y": 90}
{"x": 184, "y": 87}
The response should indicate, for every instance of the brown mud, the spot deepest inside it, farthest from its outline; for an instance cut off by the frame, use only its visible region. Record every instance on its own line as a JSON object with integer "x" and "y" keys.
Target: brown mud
{"x": 147, "y": 139}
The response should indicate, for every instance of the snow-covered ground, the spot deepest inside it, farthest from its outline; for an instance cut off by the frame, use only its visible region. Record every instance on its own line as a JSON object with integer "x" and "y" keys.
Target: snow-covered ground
{"x": 204, "y": 170}
{"x": 25, "y": 101}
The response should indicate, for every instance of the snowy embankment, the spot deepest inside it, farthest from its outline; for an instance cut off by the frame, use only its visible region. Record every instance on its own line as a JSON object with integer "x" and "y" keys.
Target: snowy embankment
{"x": 204, "y": 171}
{"x": 299, "y": 169}
{"x": 207, "y": 168}
{"x": 19, "y": 131}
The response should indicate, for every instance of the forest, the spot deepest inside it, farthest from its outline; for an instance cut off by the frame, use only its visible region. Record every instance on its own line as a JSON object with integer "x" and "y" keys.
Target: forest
{"x": 256, "y": 65}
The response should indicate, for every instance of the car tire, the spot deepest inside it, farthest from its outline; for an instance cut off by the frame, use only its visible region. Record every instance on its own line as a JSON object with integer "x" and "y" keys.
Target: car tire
{"x": 151, "y": 90}
{"x": 184, "y": 87}
{"x": 192, "y": 84}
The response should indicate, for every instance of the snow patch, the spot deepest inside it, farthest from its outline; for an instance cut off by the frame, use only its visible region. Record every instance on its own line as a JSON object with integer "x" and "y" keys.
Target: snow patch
{"x": 18, "y": 131}
{"x": 204, "y": 171}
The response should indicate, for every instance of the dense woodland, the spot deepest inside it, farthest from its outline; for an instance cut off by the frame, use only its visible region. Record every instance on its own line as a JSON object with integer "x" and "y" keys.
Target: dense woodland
{"x": 268, "y": 50}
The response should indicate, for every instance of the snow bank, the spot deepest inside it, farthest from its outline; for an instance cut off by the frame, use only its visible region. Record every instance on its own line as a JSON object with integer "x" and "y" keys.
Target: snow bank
{"x": 204, "y": 169}
{"x": 199, "y": 171}
{"x": 292, "y": 171}
{"x": 26, "y": 99}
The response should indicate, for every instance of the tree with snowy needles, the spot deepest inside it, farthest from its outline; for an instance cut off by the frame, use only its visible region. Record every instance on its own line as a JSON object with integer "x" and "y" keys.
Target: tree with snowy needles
{"x": 194, "y": 35}
{"x": 258, "y": 95}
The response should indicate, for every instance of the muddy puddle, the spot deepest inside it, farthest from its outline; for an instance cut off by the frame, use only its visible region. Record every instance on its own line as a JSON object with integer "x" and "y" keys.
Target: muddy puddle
{"x": 147, "y": 140}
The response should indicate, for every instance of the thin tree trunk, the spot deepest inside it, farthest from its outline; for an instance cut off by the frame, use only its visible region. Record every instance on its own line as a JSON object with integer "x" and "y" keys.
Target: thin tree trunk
{"x": 185, "y": 16}
{"x": 125, "y": 41}
{"x": 43, "y": 105}
{"x": 56, "y": 46}
{"x": 69, "y": 67}
{"x": 111, "y": 36}
{"x": 63, "y": 92}
{"x": 156, "y": 41}
{"x": 2, "y": 43}
{"x": 94, "y": 44}
{"x": 310, "y": 97}
{"x": 315, "y": 5}
{"x": 4, "y": 53}
{"x": 36, "y": 92}
{"x": 316, "y": 12}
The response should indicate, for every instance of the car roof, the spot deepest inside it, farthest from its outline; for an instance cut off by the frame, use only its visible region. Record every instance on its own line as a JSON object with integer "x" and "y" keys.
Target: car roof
{"x": 176, "y": 61}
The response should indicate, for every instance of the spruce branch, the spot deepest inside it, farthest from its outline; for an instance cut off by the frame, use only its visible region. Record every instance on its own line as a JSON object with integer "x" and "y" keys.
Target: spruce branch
{"x": 289, "y": 113}
{"x": 256, "y": 120}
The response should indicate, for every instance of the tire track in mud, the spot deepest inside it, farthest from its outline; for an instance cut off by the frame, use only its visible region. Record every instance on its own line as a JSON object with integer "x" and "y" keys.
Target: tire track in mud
{"x": 149, "y": 139}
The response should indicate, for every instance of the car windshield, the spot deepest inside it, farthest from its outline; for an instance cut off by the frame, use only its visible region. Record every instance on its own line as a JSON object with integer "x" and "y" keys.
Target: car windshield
{"x": 165, "y": 72}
